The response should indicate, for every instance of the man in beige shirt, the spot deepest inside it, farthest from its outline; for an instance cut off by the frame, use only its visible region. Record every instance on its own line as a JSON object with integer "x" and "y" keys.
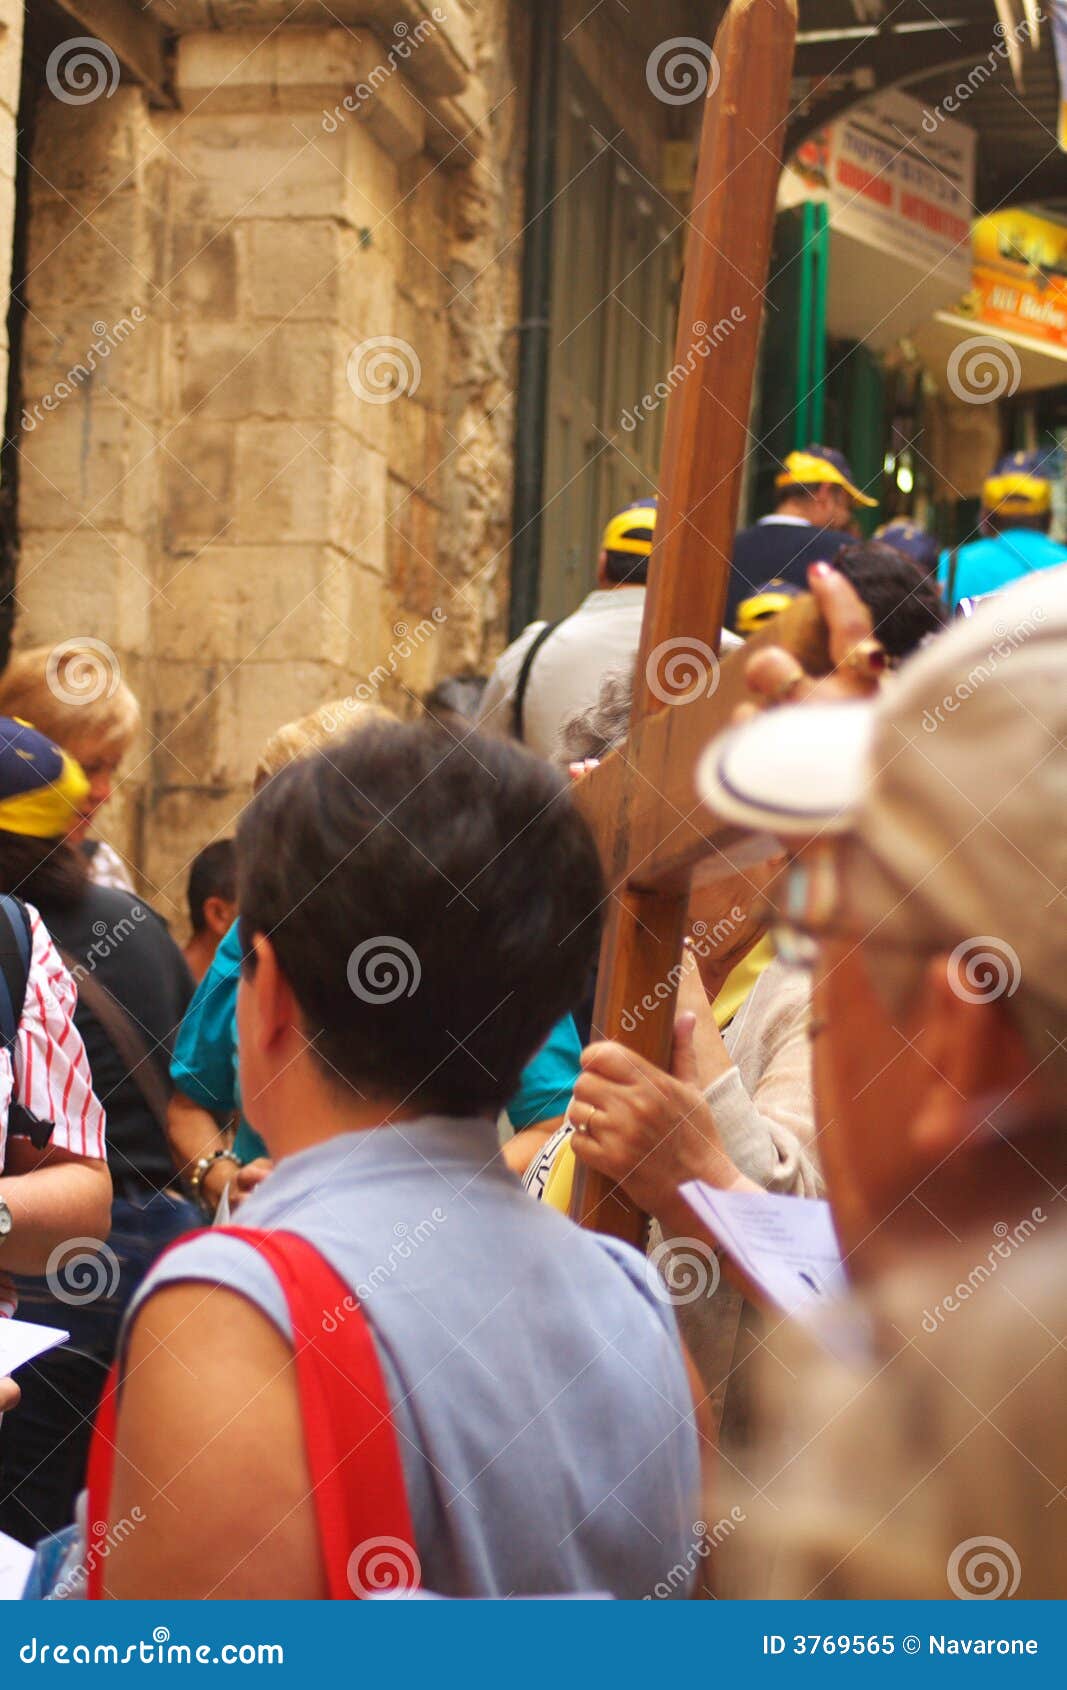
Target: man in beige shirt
{"x": 553, "y": 670}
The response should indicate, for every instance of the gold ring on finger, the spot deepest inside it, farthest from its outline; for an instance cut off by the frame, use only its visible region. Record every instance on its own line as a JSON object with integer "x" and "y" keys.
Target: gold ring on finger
{"x": 786, "y": 691}
{"x": 868, "y": 659}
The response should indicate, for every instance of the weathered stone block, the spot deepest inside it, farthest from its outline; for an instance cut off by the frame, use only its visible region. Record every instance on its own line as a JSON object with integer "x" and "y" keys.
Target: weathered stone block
{"x": 290, "y": 488}
{"x": 201, "y": 270}
{"x": 191, "y": 715}
{"x": 236, "y": 70}
{"x": 96, "y": 258}
{"x": 295, "y": 270}
{"x": 411, "y": 552}
{"x": 196, "y": 615}
{"x": 178, "y": 823}
{"x": 363, "y": 468}
{"x": 262, "y": 697}
{"x": 197, "y": 473}
{"x": 236, "y": 166}
{"x": 84, "y": 583}
{"x": 86, "y": 460}
{"x": 93, "y": 148}
{"x": 236, "y": 371}
{"x": 340, "y": 75}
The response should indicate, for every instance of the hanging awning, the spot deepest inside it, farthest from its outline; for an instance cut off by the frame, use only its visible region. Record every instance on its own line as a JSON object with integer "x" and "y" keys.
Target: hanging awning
{"x": 1026, "y": 366}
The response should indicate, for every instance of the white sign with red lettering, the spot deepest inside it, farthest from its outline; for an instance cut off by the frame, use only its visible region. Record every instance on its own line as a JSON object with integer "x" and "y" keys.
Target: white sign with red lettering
{"x": 905, "y": 185}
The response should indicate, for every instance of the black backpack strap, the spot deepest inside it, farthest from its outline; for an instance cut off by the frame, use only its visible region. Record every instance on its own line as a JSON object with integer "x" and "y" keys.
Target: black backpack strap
{"x": 16, "y": 950}
{"x": 145, "y": 1065}
{"x": 518, "y": 703}
{"x": 16, "y": 946}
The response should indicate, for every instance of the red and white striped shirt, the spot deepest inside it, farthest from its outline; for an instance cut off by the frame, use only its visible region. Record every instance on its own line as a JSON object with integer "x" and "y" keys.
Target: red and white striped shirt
{"x": 50, "y": 1076}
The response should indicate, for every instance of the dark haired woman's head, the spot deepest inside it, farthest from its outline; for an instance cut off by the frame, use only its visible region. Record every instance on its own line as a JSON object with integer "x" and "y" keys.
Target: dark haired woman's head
{"x": 47, "y": 872}
{"x": 432, "y": 907}
{"x": 903, "y": 600}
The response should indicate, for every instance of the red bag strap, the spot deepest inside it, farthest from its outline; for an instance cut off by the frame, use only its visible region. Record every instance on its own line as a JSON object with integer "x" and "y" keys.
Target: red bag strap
{"x": 365, "y": 1529}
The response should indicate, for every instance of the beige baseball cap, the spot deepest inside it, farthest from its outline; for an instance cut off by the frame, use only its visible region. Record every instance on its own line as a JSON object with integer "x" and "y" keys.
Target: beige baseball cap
{"x": 953, "y": 781}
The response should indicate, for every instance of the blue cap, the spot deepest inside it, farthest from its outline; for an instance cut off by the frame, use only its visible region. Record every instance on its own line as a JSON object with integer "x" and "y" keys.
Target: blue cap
{"x": 42, "y": 789}
{"x": 912, "y": 539}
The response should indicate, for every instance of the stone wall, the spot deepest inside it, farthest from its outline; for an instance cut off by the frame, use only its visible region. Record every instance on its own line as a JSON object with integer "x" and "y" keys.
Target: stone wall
{"x": 269, "y": 367}
{"x": 284, "y": 470}
{"x": 10, "y": 72}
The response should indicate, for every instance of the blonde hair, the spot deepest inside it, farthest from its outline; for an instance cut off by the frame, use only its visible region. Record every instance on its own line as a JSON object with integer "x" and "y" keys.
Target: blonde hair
{"x": 73, "y": 692}
{"x": 307, "y": 733}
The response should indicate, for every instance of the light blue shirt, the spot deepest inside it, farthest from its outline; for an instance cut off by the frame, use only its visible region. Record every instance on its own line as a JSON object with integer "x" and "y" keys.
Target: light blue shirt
{"x": 537, "y": 1380}
{"x": 984, "y": 566}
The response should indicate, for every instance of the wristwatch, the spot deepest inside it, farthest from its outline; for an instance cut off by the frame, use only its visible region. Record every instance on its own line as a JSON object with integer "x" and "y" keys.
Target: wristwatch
{"x": 6, "y": 1222}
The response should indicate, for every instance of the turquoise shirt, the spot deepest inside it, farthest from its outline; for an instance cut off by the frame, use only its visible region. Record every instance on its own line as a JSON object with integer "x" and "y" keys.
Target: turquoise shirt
{"x": 984, "y": 566}
{"x": 547, "y": 1081}
{"x": 204, "y": 1065}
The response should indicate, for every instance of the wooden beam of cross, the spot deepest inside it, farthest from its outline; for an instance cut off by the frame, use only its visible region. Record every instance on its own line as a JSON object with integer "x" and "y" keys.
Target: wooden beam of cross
{"x": 642, "y": 802}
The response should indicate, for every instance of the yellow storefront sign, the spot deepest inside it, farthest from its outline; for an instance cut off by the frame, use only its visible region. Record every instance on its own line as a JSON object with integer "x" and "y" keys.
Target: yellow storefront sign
{"x": 1020, "y": 276}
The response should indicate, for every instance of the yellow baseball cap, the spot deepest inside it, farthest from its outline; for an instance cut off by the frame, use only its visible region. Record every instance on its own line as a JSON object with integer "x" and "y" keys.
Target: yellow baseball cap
{"x": 818, "y": 465}
{"x": 42, "y": 789}
{"x": 1019, "y": 486}
{"x": 631, "y": 530}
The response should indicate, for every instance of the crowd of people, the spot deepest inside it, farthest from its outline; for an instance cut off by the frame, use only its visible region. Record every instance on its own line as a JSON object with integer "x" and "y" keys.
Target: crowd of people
{"x": 299, "y": 1194}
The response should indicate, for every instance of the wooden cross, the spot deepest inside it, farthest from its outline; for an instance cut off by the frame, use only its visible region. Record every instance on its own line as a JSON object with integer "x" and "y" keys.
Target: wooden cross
{"x": 642, "y": 802}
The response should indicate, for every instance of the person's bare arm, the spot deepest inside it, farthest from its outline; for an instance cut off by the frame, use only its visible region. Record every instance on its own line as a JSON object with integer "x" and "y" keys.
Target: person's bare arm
{"x": 220, "y": 1515}
{"x": 9, "y": 1395}
{"x": 192, "y": 1132}
{"x": 53, "y": 1196}
{"x": 528, "y": 1142}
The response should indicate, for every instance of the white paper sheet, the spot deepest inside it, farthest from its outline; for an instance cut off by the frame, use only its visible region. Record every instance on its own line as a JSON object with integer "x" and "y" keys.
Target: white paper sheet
{"x": 20, "y": 1341}
{"x": 15, "y": 1563}
{"x": 786, "y": 1245}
